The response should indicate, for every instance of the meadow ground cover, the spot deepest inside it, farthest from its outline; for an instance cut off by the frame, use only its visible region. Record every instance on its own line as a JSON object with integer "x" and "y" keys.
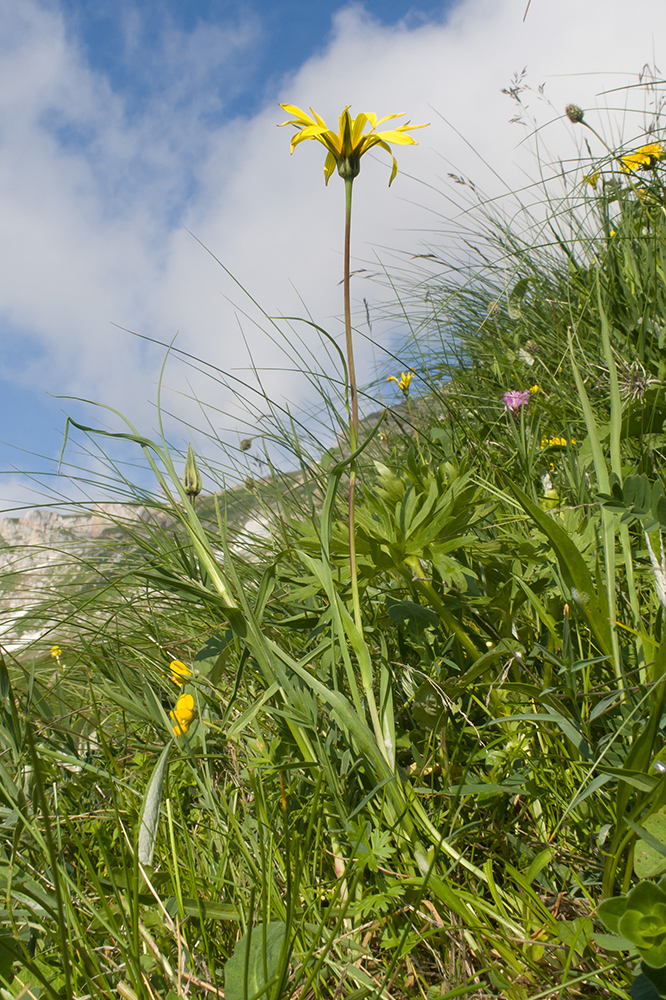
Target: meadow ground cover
{"x": 254, "y": 767}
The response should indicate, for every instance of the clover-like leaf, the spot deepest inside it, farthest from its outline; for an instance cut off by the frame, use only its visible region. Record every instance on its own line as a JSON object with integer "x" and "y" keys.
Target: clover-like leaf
{"x": 611, "y": 910}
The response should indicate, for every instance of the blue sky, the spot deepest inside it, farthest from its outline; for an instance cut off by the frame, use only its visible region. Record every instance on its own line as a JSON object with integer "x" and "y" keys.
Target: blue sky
{"x": 124, "y": 39}
{"x": 127, "y": 126}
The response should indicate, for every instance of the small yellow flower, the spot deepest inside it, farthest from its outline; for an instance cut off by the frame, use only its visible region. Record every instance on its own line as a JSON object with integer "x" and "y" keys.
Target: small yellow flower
{"x": 644, "y": 158}
{"x": 402, "y": 382}
{"x": 183, "y": 714}
{"x": 56, "y": 652}
{"x": 534, "y": 389}
{"x": 556, "y": 442}
{"x": 347, "y": 146}
{"x": 591, "y": 179}
{"x": 179, "y": 672}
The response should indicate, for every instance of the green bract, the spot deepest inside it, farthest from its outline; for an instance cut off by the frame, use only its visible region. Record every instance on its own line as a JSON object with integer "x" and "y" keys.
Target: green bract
{"x": 640, "y": 917}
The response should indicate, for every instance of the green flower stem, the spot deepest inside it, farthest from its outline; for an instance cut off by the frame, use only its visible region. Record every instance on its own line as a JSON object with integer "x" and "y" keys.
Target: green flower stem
{"x": 349, "y": 181}
{"x": 353, "y": 426}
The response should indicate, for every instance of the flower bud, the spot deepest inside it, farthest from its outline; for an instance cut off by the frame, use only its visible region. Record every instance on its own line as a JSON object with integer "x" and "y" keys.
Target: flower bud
{"x": 574, "y": 113}
{"x": 192, "y": 479}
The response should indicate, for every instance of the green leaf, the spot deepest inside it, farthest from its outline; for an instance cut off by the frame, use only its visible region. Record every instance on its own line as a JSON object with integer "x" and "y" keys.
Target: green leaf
{"x": 255, "y": 962}
{"x": 657, "y": 977}
{"x": 643, "y": 989}
{"x": 412, "y": 617}
{"x": 150, "y": 813}
{"x": 428, "y": 707}
{"x": 574, "y": 571}
{"x": 516, "y": 296}
{"x": 610, "y": 911}
{"x": 202, "y": 908}
{"x": 613, "y": 942}
{"x": 650, "y": 852}
{"x": 212, "y": 656}
{"x": 576, "y": 934}
{"x": 10, "y": 952}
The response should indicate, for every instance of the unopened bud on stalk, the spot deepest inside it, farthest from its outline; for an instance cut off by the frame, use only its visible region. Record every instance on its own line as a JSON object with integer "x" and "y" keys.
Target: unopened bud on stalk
{"x": 246, "y": 444}
{"x": 574, "y": 113}
{"x": 192, "y": 478}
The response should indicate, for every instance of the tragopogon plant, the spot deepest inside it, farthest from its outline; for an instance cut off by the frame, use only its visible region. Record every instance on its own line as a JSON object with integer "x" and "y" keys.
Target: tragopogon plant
{"x": 345, "y": 149}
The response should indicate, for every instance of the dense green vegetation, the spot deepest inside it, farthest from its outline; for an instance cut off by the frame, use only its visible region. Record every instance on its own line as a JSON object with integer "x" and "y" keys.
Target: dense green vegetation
{"x": 434, "y": 805}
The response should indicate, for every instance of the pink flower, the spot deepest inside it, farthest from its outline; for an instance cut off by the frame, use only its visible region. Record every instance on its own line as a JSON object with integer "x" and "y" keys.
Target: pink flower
{"x": 515, "y": 399}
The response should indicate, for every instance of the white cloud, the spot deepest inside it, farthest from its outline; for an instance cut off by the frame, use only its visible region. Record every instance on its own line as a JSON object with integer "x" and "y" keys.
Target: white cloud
{"x": 93, "y": 223}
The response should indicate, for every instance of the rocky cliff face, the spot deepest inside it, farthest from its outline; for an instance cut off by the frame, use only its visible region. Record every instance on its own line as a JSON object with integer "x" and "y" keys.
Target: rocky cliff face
{"x": 47, "y": 554}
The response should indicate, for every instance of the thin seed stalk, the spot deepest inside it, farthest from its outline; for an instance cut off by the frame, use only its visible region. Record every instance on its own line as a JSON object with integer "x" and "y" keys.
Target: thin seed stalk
{"x": 353, "y": 424}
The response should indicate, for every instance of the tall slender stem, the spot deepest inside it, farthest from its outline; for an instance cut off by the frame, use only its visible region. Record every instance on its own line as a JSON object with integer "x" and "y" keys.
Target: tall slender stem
{"x": 348, "y": 327}
{"x": 353, "y": 426}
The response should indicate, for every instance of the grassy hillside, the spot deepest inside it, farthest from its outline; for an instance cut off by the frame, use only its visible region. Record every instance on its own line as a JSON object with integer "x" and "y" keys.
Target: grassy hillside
{"x": 254, "y": 767}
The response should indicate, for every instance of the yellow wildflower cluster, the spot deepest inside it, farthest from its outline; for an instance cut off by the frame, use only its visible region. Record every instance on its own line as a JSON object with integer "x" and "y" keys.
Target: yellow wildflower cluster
{"x": 56, "y": 652}
{"x": 183, "y": 714}
{"x": 556, "y": 442}
{"x": 644, "y": 158}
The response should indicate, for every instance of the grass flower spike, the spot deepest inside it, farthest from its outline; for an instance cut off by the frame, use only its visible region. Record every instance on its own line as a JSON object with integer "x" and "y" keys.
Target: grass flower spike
{"x": 183, "y": 714}
{"x": 347, "y": 146}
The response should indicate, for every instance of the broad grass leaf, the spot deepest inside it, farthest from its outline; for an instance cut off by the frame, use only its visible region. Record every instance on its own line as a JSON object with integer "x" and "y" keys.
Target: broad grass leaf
{"x": 255, "y": 962}
{"x": 150, "y": 813}
{"x": 202, "y": 908}
{"x": 594, "y": 785}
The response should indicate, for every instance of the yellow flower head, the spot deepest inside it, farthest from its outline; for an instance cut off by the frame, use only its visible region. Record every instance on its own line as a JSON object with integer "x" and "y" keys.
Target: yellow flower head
{"x": 402, "y": 382}
{"x": 644, "y": 158}
{"x": 56, "y": 652}
{"x": 183, "y": 714}
{"x": 533, "y": 389}
{"x": 179, "y": 672}
{"x": 347, "y": 146}
{"x": 591, "y": 179}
